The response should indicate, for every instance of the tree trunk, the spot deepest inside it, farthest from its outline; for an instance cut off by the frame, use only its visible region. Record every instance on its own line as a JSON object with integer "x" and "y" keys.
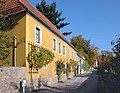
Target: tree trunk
{"x": 31, "y": 80}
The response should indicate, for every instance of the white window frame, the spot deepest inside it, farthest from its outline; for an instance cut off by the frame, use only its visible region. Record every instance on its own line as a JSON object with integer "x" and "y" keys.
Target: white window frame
{"x": 53, "y": 44}
{"x": 68, "y": 52}
{"x": 36, "y": 26}
{"x": 45, "y": 66}
{"x": 63, "y": 49}
{"x": 58, "y": 47}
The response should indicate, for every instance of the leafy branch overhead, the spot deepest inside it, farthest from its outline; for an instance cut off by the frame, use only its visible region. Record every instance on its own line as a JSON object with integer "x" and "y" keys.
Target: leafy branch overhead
{"x": 52, "y": 14}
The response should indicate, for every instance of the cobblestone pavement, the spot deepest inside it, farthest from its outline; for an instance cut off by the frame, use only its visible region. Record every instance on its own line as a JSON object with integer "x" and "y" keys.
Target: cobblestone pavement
{"x": 80, "y": 84}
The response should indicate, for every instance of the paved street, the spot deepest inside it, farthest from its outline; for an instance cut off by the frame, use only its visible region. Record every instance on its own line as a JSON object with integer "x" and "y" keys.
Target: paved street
{"x": 80, "y": 84}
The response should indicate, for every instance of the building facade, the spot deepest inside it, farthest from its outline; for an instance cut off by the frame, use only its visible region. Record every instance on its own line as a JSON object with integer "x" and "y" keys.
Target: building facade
{"x": 80, "y": 60}
{"x": 32, "y": 26}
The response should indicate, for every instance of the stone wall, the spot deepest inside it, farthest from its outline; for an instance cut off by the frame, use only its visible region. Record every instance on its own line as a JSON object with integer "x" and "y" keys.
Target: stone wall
{"x": 10, "y": 78}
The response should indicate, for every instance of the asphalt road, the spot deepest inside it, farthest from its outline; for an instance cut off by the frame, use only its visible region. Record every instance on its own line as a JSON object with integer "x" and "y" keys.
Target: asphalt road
{"x": 80, "y": 84}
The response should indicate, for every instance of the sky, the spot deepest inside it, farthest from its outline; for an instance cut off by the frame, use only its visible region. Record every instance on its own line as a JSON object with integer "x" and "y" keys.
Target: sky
{"x": 96, "y": 20}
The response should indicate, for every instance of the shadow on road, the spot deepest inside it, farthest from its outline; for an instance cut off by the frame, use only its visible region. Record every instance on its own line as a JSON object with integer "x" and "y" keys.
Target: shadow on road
{"x": 88, "y": 86}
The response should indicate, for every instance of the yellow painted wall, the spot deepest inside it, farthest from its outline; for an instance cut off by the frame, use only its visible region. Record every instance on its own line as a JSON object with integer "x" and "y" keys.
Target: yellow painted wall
{"x": 47, "y": 37}
{"x": 26, "y": 29}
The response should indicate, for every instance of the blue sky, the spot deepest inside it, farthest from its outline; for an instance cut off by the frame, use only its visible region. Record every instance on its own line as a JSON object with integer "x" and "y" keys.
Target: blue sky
{"x": 95, "y": 20}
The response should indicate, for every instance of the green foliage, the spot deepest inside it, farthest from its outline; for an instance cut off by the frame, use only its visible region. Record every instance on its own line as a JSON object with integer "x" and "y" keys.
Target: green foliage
{"x": 116, "y": 58}
{"x": 73, "y": 63}
{"x": 68, "y": 69}
{"x": 4, "y": 22}
{"x": 106, "y": 56}
{"x": 66, "y": 33}
{"x": 85, "y": 49}
{"x": 86, "y": 65}
{"x": 60, "y": 67}
{"x": 105, "y": 66}
{"x": 6, "y": 43}
{"x": 81, "y": 45}
{"x": 51, "y": 13}
{"x": 5, "y": 40}
{"x": 38, "y": 58}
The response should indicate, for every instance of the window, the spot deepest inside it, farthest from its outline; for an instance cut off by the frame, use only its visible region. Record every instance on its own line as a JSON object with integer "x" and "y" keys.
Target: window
{"x": 59, "y": 47}
{"x": 54, "y": 44}
{"x": 68, "y": 52}
{"x": 64, "y": 50}
{"x": 38, "y": 35}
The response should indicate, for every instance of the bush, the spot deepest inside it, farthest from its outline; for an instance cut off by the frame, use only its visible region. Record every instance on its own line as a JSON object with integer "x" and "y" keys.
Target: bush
{"x": 68, "y": 69}
{"x": 60, "y": 67}
{"x": 86, "y": 65}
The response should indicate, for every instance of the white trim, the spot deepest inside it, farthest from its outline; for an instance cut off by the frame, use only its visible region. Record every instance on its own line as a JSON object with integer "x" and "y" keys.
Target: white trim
{"x": 36, "y": 26}
{"x": 65, "y": 49}
{"x": 68, "y": 52}
{"x": 53, "y": 44}
{"x": 58, "y": 47}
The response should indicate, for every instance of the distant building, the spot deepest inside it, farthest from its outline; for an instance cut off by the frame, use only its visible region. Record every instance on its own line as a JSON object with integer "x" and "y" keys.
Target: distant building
{"x": 80, "y": 68}
{"x": 95, "y": 63}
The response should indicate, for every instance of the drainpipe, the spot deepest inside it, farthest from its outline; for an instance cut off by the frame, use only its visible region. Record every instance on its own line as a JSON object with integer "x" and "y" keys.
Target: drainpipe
{"x": 14, "y": 51}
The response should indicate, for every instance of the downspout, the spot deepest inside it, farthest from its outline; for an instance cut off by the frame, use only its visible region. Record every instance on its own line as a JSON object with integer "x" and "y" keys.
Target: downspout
{"x": 14, "y": 51}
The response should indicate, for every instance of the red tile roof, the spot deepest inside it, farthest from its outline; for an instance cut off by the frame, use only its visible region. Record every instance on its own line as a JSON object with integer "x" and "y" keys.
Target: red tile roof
{"x": 12, "y": 7}
{"x": 16, "y": 6}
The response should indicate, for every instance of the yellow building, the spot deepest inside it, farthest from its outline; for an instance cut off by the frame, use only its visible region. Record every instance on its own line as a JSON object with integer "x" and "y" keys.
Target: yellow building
{"x": 33, "y": 26}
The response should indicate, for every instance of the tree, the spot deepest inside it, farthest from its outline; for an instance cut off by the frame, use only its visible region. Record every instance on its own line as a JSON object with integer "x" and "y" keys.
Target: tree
{"x": 80, "y": 44}
{"x": 85, "y": 49}
{"x": 68, "y": 70}
{"x": 106, "y": 56}
{"x": 37, "y": 58}
{"x": 116, "y": 57}
{"x": 52, "y": 14}
{"x": 6, "y": 41}
{"x": 60, "y": 68}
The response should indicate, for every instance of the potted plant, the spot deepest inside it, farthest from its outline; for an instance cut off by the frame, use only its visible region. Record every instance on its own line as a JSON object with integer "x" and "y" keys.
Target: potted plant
{"x": 68, "y": 70}
{"x": 74, "y": 64}
{"x": 59, "y": 69}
